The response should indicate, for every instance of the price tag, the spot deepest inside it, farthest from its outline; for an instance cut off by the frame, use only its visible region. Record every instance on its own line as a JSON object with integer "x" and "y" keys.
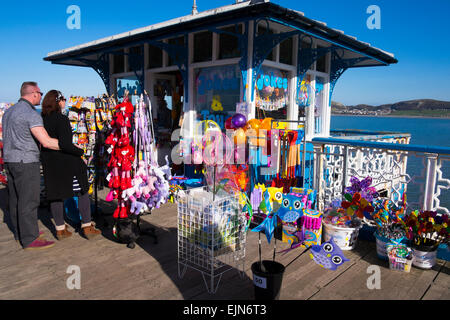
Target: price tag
{"x": 400, "y": 260}
{"x": 260, "y": 282}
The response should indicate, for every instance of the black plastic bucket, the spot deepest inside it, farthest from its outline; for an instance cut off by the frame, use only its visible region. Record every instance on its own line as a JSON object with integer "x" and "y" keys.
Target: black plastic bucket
{"x": 267, "y": 284}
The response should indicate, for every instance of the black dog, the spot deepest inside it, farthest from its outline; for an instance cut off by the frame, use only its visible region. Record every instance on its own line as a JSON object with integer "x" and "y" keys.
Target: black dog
{"x": 126, "y": 231}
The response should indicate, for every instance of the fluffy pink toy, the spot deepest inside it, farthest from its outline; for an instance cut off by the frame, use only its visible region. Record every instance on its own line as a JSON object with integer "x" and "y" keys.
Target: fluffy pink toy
{"x": 110, "y": 196}
{"x": 141, "y": 172}
{"x": 136, "y": 182}
{"x": 128, "y": 194}
{"x": 146, "y": 192}
{"x": 151, "y": 183}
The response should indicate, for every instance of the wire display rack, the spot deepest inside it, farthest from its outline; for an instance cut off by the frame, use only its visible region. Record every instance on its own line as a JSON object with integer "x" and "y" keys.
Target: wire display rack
{"x": 211, "y": 235}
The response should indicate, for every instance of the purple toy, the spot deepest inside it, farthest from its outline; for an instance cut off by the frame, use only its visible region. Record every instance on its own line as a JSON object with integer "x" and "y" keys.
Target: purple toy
{"x": 238, "y": 120}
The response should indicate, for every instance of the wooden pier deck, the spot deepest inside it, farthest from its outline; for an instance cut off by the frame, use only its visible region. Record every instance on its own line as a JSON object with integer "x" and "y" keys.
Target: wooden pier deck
{"x": 110, "y": 270}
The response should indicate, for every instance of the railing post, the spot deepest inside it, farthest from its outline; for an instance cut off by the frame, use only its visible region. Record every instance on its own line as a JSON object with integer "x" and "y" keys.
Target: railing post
{"x": 344, "y": 169}
{"x": 318, "y": 170}
{"x": 430, "y": 181}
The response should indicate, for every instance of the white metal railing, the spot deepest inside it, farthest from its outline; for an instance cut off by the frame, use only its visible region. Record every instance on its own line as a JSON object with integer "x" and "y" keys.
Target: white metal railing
{"x": 422, "y": 172}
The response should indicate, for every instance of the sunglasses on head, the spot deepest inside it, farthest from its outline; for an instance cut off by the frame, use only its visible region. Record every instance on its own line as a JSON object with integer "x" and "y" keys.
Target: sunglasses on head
{"x": 60, "y": 97}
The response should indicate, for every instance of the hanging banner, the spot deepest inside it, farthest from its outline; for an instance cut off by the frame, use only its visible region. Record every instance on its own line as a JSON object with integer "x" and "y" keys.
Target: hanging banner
{"x": 304, "y": 94}
{"x": 272, "y": 89}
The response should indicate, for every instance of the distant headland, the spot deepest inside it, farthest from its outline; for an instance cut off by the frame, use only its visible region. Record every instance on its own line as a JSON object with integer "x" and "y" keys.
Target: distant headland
{"x": 413, "y": 108}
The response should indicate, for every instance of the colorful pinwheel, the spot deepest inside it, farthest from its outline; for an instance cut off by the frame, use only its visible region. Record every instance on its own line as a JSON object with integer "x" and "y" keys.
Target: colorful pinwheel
{"x": 357, "y": 205}
{"x": 363, "y": 188}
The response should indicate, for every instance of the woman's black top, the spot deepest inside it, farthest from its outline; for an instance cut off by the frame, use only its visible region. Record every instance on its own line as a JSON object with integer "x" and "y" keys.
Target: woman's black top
{"x": 61, "y": 166}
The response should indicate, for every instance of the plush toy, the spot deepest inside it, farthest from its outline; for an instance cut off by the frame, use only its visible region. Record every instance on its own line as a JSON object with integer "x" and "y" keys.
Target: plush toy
{"x": 290, "y": 211}
{"x": 141, "y": 172}
{"x": 121, "y": 210}
{"x": 291, "y": 208}
{"x": 276, "y": 194}
{"x": 328, "y": 255}
{"x": 121, "y": 163}
{"x": 125, "y": 162}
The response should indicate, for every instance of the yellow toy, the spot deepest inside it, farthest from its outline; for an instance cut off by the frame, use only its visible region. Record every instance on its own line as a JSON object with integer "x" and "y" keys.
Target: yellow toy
{"x": 279, "y": 125}
{"x": 276, "y": 194}
{"x": 261, "y": 186}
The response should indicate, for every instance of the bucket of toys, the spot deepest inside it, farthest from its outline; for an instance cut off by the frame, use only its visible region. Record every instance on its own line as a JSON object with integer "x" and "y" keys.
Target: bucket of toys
{"x": 345, "y": 236}
{"x": 267, "y": 279}
{"x": 391, "y": 234}
{"x": 381, "y": 246}
{"x": 400, "y": 257}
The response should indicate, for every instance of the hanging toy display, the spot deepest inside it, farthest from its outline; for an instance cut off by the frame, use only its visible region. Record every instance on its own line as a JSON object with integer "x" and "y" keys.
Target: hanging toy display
{"x": 122, "y": 158}
{"x": 105, "y": 106}
{"x": 150, "y": 187}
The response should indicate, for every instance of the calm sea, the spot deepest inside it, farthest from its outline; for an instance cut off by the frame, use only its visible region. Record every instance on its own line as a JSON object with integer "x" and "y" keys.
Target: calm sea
{"x": 424, "y": 131}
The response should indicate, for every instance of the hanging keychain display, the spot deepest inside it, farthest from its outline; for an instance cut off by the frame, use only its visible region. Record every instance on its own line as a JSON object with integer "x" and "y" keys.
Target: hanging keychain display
{"x": 81, "y": 113}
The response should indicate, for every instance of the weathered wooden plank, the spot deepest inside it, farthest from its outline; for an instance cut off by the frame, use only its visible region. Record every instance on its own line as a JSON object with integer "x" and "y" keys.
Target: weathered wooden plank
{"x": 394, "y": 284}
{"x": 110, "y": 270}
{"x": 439, "y": 289}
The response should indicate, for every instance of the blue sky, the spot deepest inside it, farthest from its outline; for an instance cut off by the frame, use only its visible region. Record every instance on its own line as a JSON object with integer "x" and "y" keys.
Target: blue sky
{"x": 415, "y": 31}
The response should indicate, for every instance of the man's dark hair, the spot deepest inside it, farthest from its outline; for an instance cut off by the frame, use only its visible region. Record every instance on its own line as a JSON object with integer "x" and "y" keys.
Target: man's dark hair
{"x": 25, "y": 86}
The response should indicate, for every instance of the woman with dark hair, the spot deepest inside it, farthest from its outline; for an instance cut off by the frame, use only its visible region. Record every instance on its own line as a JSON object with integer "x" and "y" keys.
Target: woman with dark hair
{"x": 65, "y": 173}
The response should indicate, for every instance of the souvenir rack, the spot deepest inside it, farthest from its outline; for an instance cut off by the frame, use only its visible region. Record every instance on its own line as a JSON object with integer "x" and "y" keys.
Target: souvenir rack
{"x": 211, "y": 235}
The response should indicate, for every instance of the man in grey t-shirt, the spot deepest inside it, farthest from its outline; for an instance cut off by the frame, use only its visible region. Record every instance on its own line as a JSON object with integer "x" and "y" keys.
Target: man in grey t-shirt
{"x": 23, "y": 130}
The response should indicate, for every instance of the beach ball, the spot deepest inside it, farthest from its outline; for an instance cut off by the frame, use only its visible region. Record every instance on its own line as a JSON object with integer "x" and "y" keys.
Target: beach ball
{"x": 238, "y": 120}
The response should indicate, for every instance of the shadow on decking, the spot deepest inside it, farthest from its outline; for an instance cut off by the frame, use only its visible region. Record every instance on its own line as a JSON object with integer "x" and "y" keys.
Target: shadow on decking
{"x": 445, "y": 269}
{"x": 4, "y": 206}
{"x": 192, "y": 285}
{"x": 367, "y": 251}
{"x": 44, "y": 214}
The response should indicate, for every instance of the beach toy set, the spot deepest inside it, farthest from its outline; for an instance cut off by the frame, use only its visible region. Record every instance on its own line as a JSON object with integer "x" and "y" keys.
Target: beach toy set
{"x": 400, "y": 257}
